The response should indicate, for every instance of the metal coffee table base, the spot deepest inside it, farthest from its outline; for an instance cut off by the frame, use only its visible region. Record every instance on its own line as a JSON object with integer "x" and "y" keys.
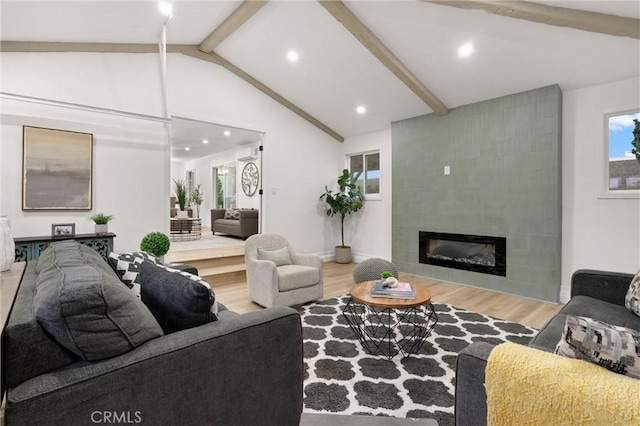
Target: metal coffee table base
{"x": 389, "y": 331}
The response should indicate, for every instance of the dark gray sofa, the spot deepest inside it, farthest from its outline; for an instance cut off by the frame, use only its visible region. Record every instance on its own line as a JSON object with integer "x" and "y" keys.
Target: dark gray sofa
{"x": 595, "y": 294}
{"x": 239, "y": 370}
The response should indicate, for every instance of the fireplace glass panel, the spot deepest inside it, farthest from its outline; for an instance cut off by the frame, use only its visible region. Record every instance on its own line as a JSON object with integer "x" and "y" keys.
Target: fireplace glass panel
{"x": 476, "y": 253}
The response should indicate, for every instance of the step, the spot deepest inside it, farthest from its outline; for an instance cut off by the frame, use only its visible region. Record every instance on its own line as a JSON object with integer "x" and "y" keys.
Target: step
{"x": 200, "y": 254}
{"x": 219, "y": 262}
{"x": 220, "y": 266}
{"x": 220, "y": 270}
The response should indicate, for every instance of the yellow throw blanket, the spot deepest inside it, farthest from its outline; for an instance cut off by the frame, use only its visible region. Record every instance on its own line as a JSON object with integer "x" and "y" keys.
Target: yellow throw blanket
{"x": 526, "y": 386}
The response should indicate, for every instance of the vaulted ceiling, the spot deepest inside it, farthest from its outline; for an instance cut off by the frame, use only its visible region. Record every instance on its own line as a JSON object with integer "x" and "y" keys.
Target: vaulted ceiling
{"x": 398, "y": 59}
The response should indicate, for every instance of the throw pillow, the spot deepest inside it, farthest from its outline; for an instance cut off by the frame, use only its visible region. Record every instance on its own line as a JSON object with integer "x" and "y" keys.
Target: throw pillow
{"x": 612, "y": 347}
{"x": 178, "y": 300}
{"x": 83, "y": 305}
{"x": 279, "y": 256}
{"x": 632, "y": 299}
{"x": 127, "y": 266}
{"x": 232, "y": 214}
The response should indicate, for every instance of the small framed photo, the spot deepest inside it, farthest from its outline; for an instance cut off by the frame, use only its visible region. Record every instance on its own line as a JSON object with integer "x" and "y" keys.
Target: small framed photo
{"x": 63, "y": 230}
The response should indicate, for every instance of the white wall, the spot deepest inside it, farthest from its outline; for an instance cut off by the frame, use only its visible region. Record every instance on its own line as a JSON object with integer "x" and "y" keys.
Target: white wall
{"x": 178, "y": 171}
{"x": 298, "y": 158}
{"x": 132, "y": 166}
{"x": 130, "y": 170}
{"x": 369, "y": 230}
{"x": 597, "y": 233}
{"x": 204, "y": 176}
{"x": 244, "y": 201}
{"x": 131, "y": 162}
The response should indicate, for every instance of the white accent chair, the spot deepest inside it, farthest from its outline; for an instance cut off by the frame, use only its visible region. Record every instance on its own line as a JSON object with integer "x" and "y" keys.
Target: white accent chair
{"x": 284, "y": 285}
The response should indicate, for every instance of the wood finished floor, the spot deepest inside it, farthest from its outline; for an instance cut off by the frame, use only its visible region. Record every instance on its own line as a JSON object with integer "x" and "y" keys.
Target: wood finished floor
{"x": 338, "y": 280}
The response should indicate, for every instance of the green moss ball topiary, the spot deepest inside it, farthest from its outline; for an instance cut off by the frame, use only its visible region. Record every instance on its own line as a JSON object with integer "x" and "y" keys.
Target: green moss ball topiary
{"x": 155, "y": 243}
{"x": 386, "y": 274}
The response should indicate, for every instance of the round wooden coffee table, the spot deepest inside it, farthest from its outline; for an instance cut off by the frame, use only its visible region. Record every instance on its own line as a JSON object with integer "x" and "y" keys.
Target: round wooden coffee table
{"x": 388, "y": 326}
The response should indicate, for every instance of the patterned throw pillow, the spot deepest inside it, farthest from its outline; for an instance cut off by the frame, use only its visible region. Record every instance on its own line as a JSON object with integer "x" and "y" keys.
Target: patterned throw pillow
{"x": 127, "y": 266}
{"x": 632, "y": 299}
{"x": 177, "y": 299}
{"x": 232, "y": 214}
{"x": 612, "y": 347}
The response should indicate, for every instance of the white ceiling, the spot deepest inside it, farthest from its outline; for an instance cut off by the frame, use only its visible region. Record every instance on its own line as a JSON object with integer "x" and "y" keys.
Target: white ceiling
{"x": 335, "y": 73}
{"x": 186, "y": 133}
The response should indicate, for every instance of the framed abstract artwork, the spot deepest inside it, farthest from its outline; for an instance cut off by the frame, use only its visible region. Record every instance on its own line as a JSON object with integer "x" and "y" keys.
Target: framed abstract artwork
{"x": 57, "y": 169}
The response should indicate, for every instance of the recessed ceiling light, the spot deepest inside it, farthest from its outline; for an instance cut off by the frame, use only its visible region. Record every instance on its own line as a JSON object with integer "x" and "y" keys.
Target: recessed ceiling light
{"x": 227, "y": 133}
{"x": 293, "y": 56}
{"x": 166, "y": 8}
{"x": 465, "y": 50}
{"x": 187, "y": 149}
{"x": 205, "y": 141}
{"x": 361, "y": 109}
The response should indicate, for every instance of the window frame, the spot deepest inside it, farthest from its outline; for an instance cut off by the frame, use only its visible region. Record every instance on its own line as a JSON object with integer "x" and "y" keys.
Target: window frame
{"x": 606, "y": 191}
{"x": 369, "y": 197}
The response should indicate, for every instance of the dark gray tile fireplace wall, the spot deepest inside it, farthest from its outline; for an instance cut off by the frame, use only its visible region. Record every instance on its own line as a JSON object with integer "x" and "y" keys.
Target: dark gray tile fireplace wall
{"x": 505, "y": 160}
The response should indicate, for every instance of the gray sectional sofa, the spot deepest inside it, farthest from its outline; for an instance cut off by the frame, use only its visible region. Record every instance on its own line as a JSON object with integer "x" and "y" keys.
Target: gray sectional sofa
{"x": 239, "y": 370}
{"x": 595, "y": 294}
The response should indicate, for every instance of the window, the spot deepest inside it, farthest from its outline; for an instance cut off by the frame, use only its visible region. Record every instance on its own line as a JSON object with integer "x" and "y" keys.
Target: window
{"x": 623, "y": 169}
{"x": 225, "y": 186}
{"x": 365, "y": 172}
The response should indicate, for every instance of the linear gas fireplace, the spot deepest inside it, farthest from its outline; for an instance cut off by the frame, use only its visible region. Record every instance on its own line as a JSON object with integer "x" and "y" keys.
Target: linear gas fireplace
{"x": 487, "y": 255}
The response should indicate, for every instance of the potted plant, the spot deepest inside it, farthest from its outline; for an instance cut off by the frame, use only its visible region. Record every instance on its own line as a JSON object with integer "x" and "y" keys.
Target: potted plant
{"x": 197, "y": 198}
{"x": 101, "y": 220}
{"x": 181, "y": 196}
{"x": 388, "y": 279}
{"x": 348, "y": 199}
{"x": 155, "y": 243}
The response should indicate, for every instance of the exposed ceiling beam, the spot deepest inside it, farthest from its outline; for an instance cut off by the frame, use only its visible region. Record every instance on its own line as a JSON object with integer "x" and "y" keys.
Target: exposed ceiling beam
{"x": 219, "y": 60}
{"x": 187, "y": 49}
{"x": 242, "y": 14}
{"x": 39, "y": 46}
{"x": 552, "y": 15}
{"x": 368, "y": 39}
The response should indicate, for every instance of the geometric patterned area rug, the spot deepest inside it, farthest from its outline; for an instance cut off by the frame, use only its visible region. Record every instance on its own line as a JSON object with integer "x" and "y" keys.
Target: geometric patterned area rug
{"x": 341, "y": 377}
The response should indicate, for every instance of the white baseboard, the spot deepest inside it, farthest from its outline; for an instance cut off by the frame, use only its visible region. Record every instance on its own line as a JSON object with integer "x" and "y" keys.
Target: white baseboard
{"x": 329, "y": 256}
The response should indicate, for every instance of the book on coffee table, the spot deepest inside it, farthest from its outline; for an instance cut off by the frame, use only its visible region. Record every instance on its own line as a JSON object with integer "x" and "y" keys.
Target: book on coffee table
{"x": 401, "y": 291}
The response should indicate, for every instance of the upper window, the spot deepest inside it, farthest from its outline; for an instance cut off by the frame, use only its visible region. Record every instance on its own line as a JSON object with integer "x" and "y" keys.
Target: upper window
{"x": 623, "y": 168}
{"x": 365, "y": 172}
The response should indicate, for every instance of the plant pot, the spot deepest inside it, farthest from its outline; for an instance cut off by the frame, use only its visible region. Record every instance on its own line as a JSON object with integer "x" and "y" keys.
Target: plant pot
{"x": 102, "y": 229}
{"x": 343, "y": 254}
{"x": 182, "y": 214}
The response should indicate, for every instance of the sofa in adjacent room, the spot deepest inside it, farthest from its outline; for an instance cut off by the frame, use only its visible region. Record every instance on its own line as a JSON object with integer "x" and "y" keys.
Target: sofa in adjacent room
{"x": 80, "y": 347}
{"x": 598, "y": 295}
{"x": 238, "y": 222}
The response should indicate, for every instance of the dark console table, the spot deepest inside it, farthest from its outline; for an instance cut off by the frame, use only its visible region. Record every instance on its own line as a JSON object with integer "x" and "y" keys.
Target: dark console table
{"x": 29, "y": 248}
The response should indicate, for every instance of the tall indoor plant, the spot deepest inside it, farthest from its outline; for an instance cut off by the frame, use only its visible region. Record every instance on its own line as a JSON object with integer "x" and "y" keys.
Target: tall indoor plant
{"x": 348, "y": 199}
{"x": 181, "y": 196}
{"x": 197, "y": 198}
